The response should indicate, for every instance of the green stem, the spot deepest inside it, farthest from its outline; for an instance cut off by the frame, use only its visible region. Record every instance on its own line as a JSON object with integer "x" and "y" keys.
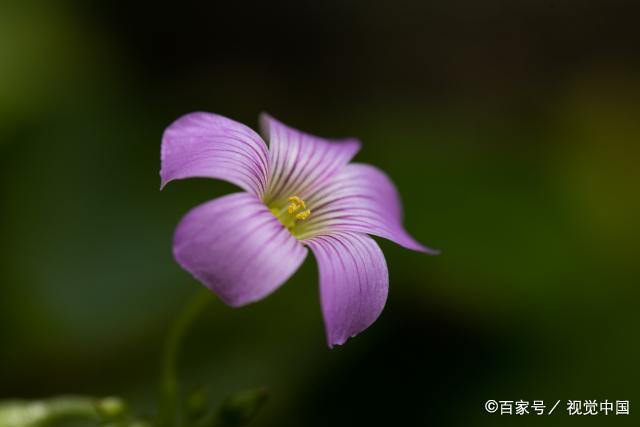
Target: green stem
{"x": 170, "y": 408}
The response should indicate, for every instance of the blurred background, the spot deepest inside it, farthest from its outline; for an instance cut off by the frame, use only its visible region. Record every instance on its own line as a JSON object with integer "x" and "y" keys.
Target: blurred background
{"x": 512, "y": 130}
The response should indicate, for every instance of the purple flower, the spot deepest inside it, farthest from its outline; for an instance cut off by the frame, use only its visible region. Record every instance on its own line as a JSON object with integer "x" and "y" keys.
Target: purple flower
{"x": 301, "y": 192}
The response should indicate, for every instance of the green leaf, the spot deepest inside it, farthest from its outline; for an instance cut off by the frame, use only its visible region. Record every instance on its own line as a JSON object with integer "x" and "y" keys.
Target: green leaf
{"x": 237, "y": 410}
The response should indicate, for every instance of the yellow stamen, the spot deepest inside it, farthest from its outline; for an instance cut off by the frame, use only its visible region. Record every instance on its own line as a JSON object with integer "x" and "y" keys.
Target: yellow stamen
{"x": 295, "y": 204}
{"x": 293, "y": 213}
{"x": 303, "y": 215}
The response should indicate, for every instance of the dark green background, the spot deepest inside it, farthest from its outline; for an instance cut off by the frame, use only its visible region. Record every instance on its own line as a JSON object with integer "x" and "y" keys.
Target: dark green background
{"x": 511, "y": 129}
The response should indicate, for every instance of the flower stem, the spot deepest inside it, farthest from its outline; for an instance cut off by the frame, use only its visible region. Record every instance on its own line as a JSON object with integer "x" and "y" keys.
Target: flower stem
{"x": 170, "y": 410}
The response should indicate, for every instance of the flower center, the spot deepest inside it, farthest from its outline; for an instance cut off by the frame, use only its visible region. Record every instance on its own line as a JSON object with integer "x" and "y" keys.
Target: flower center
{"x": 292, "y": 213}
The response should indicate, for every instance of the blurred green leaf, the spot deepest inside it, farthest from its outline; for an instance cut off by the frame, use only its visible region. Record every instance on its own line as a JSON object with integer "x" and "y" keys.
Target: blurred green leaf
{"x": 237, "y": 410}
{"x": 197, "y": 403}
{"x": 17, "y": 413}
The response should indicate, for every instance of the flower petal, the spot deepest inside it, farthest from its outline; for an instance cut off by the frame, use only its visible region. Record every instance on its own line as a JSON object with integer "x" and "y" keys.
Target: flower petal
{"x": 237, "y": 248}
{"x": 204, "y": 145}
{"x": 301, "y": 162}
{"x": 354, "y": 282}
{"x": 360, "y": 198}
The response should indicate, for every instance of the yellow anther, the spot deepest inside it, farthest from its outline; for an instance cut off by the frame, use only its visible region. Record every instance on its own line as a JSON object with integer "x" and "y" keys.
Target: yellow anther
{"x": 303, "y": 215}
{"x": 296, "y": 203}
{"x": 290, "y": 214}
